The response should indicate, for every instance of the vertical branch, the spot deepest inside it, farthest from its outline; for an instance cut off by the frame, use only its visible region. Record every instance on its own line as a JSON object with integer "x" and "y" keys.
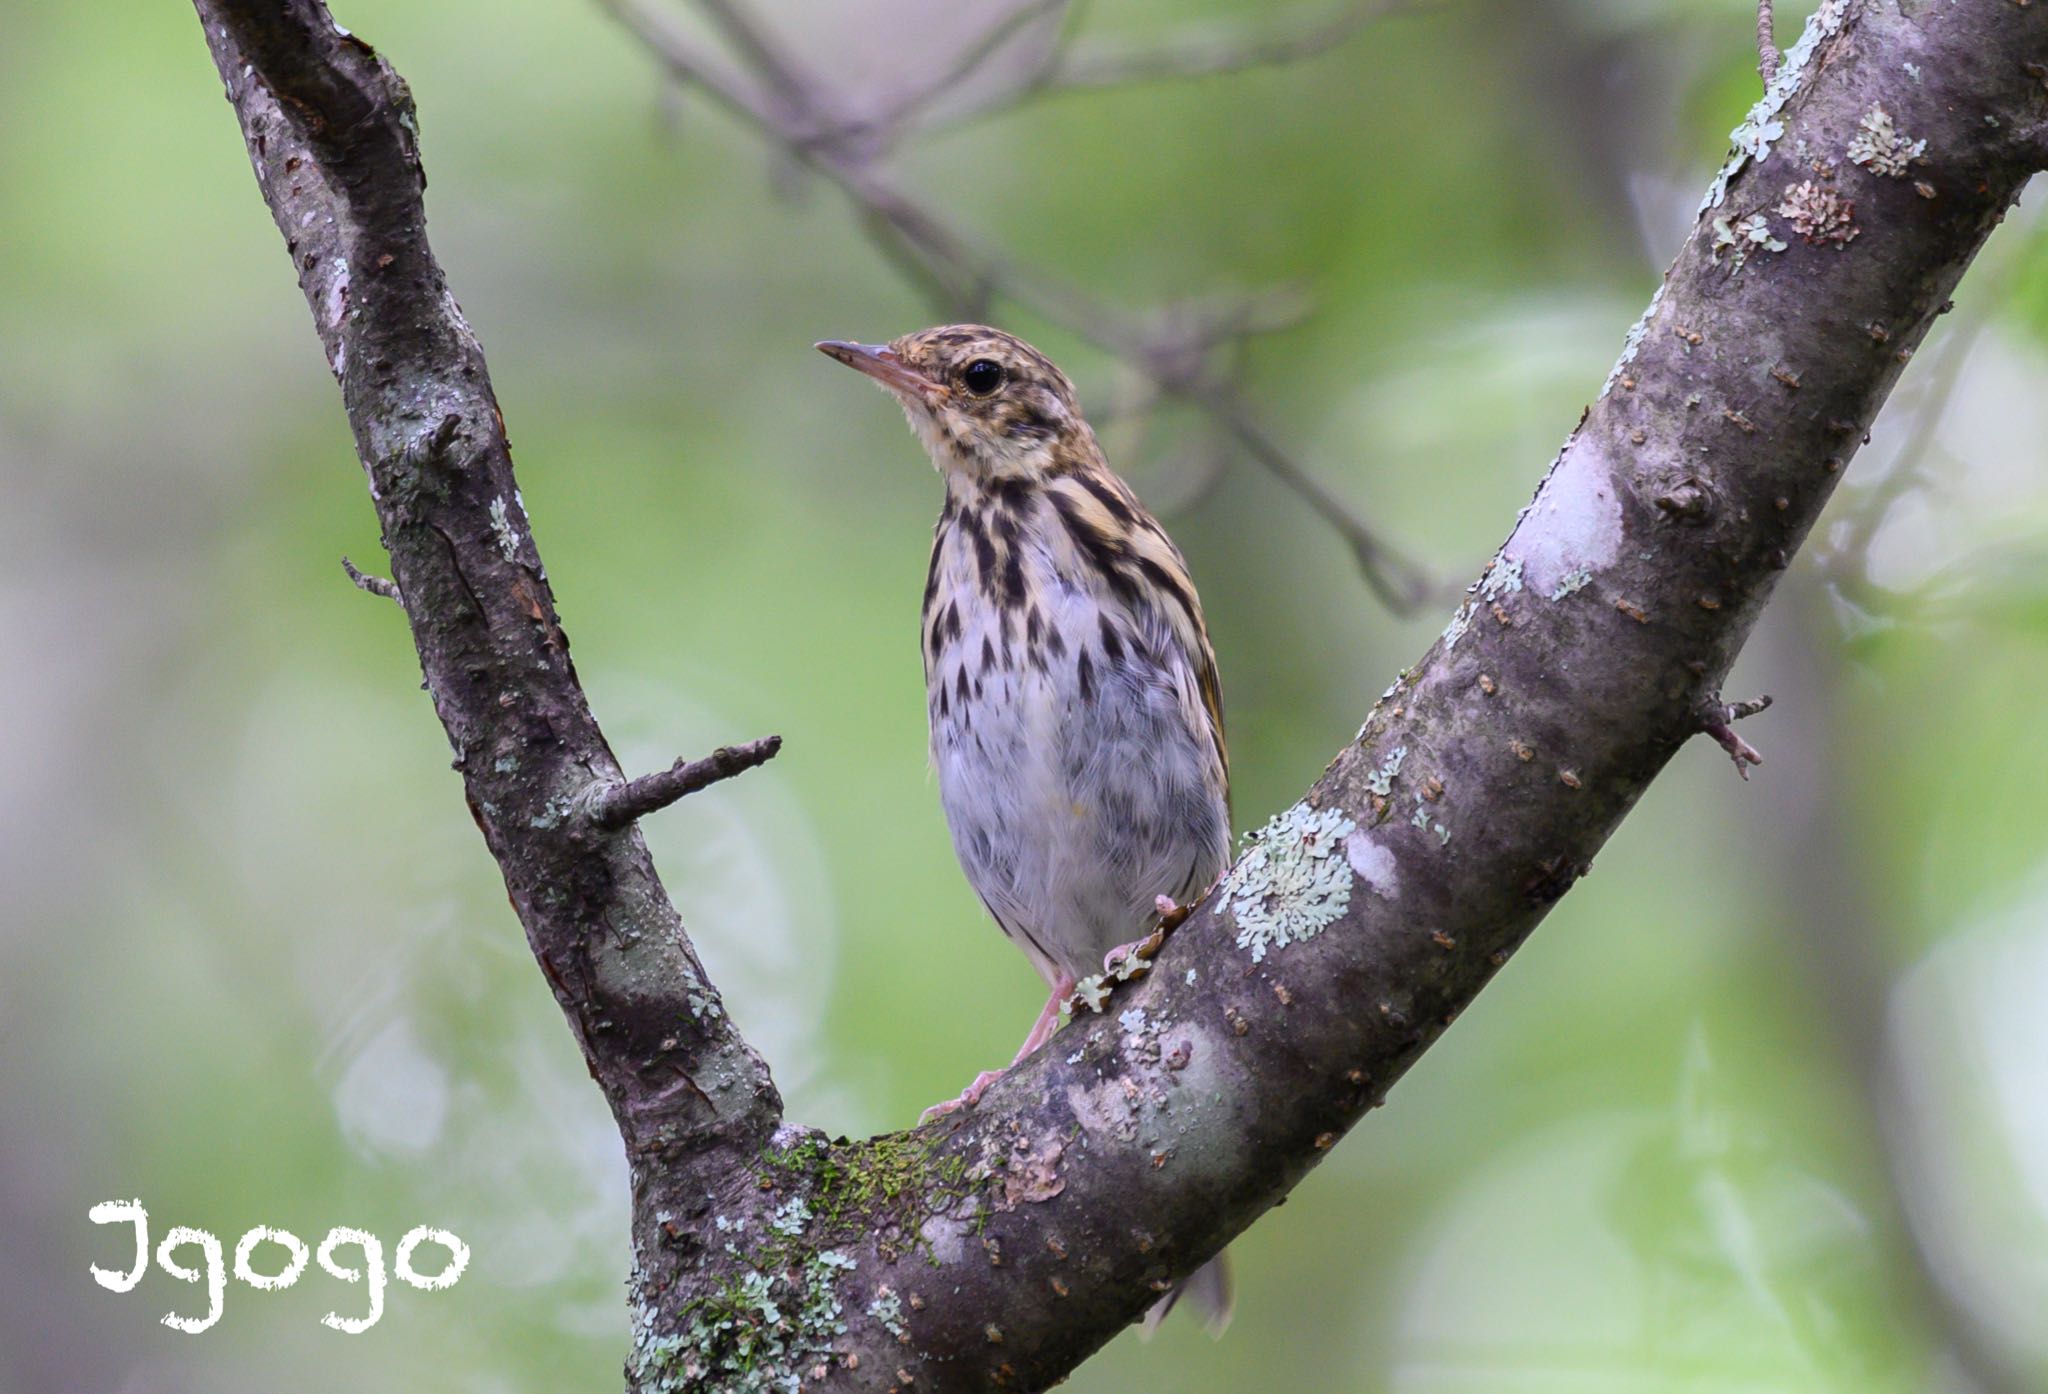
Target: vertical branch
{"x": 330, "y": 132}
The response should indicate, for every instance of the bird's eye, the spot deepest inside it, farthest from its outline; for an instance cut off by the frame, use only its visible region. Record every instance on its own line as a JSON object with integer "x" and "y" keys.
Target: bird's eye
{"x": 982, "y": 377}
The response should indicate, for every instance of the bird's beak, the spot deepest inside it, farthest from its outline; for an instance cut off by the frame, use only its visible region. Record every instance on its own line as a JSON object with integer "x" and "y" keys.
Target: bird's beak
{"x": 885, "y": 366}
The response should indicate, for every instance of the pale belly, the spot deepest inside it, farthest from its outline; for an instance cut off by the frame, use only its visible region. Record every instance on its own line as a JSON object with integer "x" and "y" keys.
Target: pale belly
{"x": 1075, "y": 796}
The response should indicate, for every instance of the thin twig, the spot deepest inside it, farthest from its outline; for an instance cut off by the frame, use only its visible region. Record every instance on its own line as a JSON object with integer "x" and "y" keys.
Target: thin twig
{"x": 1069, "y": 67}
{"x": 616, "y": 805}
{"x": 759, "y": 51}
{"x": 1766, "y": 43}
{"x": 1402, "y": 584}
{"x": 1225, "y": 51}
{"x": 375, "y": 585}
{"x": 907, "y": 110}
{"x": 1718, "y": 718}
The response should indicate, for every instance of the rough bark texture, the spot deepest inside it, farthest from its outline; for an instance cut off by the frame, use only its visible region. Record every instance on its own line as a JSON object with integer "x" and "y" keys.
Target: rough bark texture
{"x": 1000, "y": 1246}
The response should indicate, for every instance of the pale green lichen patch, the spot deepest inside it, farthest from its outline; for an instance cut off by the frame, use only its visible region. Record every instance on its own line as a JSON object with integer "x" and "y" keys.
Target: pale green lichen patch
{"x": 1381, "y": 780}
{"x": 791, "y": 1218}
{"x": 502, "y": 529}
{"x": 1460, "y": 622}
{"x": 1422, "y": 818}
{"x": 1879, "y": 148}
{"x": 1572, "y": 582}
{"x": 1502, "y": 577}
{"x": 1752, "y": 140}
{"x": 553, "y": 813}
{"x": 1742, "y": 236}
{"x": 1292, "y": 882}
{"x": 760, "y": 1334}
{"x": 1092, "y": 992}
{"x": 887, "y": 1309}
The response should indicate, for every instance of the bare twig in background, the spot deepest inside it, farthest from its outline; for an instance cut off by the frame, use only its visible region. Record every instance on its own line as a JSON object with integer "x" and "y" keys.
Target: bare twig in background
{"x": 908, "y": 110}
{"x": 1186, "y": 351}
{"x": 1058, "y": 63}
{"x": 1766, "y": 43}
{"x": 1226, "y": 50}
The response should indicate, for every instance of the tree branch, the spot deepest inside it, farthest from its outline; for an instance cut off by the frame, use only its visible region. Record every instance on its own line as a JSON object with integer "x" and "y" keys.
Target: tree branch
{"x": 1000, "y": 1246}
{"x": 330, "y": 132}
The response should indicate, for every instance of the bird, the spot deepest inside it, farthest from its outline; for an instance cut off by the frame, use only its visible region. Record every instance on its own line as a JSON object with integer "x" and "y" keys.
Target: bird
{"x": 1075, "y": 710}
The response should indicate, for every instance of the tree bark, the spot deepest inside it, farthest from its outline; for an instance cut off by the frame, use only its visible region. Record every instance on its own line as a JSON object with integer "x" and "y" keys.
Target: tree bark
{"x": 1000, "y": 1246}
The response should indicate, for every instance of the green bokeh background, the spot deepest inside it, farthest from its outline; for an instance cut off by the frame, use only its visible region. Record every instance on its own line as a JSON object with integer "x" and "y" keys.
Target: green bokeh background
{"x": 1764, "y": 1107}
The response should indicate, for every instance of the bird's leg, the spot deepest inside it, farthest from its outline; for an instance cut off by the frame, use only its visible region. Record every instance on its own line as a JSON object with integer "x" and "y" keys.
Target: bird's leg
{"x": 969, "y": 1097}
{"x": 1041, "y": 1031}
{"x": 1048, "y": 1017}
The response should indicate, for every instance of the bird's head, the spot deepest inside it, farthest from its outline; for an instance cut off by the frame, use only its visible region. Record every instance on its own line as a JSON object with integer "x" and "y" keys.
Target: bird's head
{"x": 986, "y": 404}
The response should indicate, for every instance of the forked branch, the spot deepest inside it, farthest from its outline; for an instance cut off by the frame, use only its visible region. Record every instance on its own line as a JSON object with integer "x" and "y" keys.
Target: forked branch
{"x": 998, "y": 1248}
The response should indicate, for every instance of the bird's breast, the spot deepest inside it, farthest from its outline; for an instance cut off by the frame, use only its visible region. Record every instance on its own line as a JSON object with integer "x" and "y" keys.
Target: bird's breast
{"x": 1074, "y": 757}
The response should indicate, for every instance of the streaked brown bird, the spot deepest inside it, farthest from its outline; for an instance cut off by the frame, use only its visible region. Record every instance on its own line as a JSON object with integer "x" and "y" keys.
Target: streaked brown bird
{"x": 1076, "y": 717}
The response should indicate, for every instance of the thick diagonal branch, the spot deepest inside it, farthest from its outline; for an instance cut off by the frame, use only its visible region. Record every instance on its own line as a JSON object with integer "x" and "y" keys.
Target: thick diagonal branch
{"x": 1367, "y": 917}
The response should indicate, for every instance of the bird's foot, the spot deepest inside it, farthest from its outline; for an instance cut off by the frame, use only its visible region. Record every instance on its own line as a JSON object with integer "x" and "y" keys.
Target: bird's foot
{"x": 969, "y": 1097}
{"x": 1133, "y": 960}
{"x": 1120, "y": 965}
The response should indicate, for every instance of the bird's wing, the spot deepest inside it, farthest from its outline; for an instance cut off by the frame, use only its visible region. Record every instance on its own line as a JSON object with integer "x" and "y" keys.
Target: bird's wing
{"x": 1138, "y": 561}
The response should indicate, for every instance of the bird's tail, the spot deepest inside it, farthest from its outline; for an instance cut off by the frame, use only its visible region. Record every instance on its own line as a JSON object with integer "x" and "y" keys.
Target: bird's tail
{"x": 1210, "y": 1294}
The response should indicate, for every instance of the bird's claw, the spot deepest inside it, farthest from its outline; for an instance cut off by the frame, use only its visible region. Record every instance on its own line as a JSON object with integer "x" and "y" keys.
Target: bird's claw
{"x": 969, "y": 1097}
{"x": 1133, "y": 960}
{"x": 1128, "y": 961}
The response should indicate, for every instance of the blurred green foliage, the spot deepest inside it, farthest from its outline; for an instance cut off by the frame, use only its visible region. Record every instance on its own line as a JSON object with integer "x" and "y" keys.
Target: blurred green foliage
{"x": 256, "y": 967}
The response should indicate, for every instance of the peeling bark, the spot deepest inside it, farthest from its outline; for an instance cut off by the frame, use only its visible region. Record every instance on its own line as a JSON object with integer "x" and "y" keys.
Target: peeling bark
{"x": 999, "y": 1246}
